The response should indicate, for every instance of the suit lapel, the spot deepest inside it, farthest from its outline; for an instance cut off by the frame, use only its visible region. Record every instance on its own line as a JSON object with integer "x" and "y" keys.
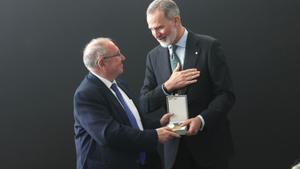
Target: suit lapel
{"x": 164, "y": 62}
{"x": 191, "y": 56}
{"x": 191, "y": 52}
{"x": 112, "y": 99}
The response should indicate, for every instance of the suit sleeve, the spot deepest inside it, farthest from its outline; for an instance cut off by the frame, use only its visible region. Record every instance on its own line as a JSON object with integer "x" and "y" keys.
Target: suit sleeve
{"x": 95, "y": 117}
{"x": 152, "y": 96}
{"x": 150, "y": 123}
{"x": 222, "y": 87}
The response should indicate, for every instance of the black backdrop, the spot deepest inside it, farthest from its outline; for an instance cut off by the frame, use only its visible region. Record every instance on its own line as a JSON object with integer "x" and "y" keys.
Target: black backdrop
{"x": 41, "y": 44}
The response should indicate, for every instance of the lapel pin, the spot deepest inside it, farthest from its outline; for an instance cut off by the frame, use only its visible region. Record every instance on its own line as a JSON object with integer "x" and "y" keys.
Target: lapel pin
{"x": 196, "y": 53}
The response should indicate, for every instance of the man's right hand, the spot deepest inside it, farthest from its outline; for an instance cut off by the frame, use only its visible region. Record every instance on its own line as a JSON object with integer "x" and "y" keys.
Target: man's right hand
{"x": 165, "y": 134}
{"x": 180, "y": 79}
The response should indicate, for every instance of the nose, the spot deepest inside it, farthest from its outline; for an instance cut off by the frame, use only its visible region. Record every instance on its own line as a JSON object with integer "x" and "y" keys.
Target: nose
{"x": 123, "y": 57}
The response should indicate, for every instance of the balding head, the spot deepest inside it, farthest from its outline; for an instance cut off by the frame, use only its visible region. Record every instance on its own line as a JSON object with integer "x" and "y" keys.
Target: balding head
{"x": 93, "y": 50}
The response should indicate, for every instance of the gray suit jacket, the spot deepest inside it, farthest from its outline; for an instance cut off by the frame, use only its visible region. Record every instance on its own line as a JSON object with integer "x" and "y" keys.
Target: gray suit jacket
{"x": 212, "y": 97}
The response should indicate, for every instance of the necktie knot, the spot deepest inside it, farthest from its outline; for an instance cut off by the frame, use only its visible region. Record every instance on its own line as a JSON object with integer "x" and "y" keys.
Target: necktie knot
{"x": 114, "y": 87}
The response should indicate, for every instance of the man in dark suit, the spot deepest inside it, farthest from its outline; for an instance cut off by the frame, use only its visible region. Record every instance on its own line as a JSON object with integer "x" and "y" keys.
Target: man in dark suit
{"x": 109, "y": 131}
{"x": 174, "y": 67}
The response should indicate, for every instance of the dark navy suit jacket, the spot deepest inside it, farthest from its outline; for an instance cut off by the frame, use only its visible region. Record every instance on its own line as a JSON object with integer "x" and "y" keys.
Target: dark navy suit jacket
{"x": 104, "y": 138}
{"x": 212, "y": 97}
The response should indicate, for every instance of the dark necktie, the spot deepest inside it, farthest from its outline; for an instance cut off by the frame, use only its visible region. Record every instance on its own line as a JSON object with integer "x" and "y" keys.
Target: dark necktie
{"x": 174, "y": 60}
{"x": 130, "y": 116}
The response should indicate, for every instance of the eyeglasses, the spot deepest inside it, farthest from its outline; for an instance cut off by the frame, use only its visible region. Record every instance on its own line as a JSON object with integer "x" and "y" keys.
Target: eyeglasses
{"x": 115, "y": 55}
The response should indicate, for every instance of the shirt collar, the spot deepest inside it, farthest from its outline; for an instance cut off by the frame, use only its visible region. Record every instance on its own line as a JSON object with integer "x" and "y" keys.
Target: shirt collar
{"x": 182, "y": 40}
{"x": 105, "y": 81}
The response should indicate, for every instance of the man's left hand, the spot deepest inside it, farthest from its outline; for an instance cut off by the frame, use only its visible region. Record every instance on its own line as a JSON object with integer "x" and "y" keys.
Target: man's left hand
{"x": 193, "y": 125}
{"x": 165, "y": 119}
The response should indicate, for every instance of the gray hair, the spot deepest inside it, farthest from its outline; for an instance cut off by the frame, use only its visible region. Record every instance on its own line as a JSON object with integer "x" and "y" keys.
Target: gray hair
{"x": 297, "y": 166}
{"x": 93, "y": 50}
{"x": 169, "y": 8}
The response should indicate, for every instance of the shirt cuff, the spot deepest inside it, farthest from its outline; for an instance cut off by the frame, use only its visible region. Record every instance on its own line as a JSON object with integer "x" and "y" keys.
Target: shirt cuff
{"x": 165, "y": 92}
{"x": 202, "y": 122}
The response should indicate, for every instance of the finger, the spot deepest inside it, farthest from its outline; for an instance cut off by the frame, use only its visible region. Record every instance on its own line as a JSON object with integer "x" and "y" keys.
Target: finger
{"x": 190, "y": 82}
{"x": 195, "y": 76}
{"x": 192, "y": 78}
{"x": 191, "y": 131}
{"x": 192, "y": 74}
{"x": 168, "y": 129}
{"x": 169, "y": 115}
{"x": 177, "y": 68}
{"x": 192, "y": 70}
{"x": 173, "y": 134}
{"x": 185, "y": 123}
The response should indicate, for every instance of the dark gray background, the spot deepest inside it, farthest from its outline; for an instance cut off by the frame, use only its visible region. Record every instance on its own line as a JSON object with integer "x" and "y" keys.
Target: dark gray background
{"x": 41, "y": 44}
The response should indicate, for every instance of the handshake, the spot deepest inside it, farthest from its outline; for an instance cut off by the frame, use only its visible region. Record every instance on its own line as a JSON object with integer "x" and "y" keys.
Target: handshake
{"x": 167, "y": 132}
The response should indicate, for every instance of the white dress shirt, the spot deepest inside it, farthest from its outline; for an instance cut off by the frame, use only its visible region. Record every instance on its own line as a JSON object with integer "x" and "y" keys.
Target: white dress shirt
{"x": 128, "y": 101}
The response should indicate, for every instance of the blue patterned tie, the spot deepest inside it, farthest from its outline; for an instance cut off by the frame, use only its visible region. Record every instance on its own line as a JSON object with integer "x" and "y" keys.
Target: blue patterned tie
{"x": 130, "y": 116}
